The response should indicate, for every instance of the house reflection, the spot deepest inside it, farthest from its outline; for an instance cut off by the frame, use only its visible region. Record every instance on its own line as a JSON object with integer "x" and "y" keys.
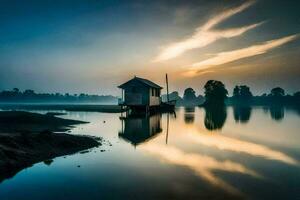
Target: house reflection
{"x": 139, "y": 129}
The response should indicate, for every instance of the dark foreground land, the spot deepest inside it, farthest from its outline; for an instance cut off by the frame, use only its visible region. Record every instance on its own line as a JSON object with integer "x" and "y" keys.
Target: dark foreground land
{"x": 27, "y": 138}
{"x": 66, "y": 107}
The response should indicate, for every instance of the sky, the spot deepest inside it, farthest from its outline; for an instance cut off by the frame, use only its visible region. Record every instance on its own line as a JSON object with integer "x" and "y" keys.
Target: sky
{"x": 93, "y": 46}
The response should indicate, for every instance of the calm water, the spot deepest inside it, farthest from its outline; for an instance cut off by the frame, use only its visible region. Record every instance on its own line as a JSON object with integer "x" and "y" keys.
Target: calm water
{"x": 243, "y": 153}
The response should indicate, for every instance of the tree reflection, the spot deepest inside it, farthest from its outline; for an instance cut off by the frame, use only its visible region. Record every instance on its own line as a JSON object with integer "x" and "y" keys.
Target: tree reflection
{"x": 297, "y": 110}
{"x": 242, "y": 114}
{"x": 277, "y": 112}
{"x": 215, "y": 117}
{"x": 189, "y": 115}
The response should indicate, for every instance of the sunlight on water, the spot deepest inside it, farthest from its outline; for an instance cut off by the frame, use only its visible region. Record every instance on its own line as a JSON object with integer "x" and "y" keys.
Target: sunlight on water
{"x": 253, "y": 152}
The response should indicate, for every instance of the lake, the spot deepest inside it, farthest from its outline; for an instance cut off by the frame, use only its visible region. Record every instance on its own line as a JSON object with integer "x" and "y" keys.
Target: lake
{"x": 191, "y": 154}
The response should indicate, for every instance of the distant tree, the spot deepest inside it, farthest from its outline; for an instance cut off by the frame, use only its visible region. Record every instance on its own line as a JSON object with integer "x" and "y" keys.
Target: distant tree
{"x": 242, "y": 92}
{"x": 16, "y": 95}
{"x": 236, "y": 92}
{"x": 28, "y": 92}
{"x": 297, "y": 94}
{"x": 174, "y": 96}
{"x": 277, "y": 92}
{"x": 189, "y": 94}
{"x": 215, "y": 92}
{"x": 245, "y": 92}
{"x": 200, "y": 99}
{"x": 264, "y": 95}
{"x": 16, "y": 90}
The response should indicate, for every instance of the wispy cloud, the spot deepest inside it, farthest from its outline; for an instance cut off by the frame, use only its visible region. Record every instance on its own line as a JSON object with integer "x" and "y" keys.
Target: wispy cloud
{"x": 230, "y": 56}
{"x": 226, "y": 14}
{"x": 204, "y": 35}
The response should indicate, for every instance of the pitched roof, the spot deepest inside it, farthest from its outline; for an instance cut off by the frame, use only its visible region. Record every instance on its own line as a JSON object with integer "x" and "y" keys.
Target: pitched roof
{"x": 144, "y": 81}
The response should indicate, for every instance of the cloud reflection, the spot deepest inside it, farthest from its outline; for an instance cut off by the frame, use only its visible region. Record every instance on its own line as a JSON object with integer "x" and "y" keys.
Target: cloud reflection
{"x": 202, "y": 165}
{"x": 231, "y": 144}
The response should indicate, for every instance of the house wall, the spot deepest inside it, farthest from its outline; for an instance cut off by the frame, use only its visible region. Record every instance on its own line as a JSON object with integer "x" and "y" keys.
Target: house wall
{"x": 153, "y": 100}
{"x": 136, "y": 93}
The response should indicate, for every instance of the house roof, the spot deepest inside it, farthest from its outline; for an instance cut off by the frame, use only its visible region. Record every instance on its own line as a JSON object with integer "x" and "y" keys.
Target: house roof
{"x": 142, "y": 80}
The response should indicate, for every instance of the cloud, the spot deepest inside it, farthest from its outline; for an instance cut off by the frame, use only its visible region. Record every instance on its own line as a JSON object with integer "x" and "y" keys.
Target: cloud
{"x": 225, "y": 15}
{"x": 205, "y": 36}
{"x": 230, "y": 56}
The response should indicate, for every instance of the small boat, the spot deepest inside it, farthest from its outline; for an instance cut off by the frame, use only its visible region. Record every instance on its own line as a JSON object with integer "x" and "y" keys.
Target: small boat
{"x": 170, "y": 105}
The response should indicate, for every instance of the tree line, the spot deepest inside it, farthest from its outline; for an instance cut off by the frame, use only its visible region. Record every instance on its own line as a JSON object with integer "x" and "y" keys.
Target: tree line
{"x": 30, "y": 96}
{"x": 215, "y": 93}
{"x": 216, "y": 97}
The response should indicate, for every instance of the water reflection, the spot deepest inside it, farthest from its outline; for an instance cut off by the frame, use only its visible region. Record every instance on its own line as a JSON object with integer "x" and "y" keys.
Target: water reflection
{"x": 297, "y": 109}
{"x": 189, "y": 115}
{"x": 277, "y": 112}
{"x": 215, "y": 117}
{"x": 225, "y": 143}
{"x": 242, "y": 114}
{"x": 202, "y": 165}
{"x": 48, "y": 162}
{"x": 259, "y": 159}
{"x": 139, "y": 129}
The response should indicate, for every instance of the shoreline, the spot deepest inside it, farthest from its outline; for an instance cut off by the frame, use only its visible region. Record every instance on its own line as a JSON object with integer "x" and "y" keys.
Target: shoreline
{"x": 65, "y": 107}
{"x": 28, "y": 138}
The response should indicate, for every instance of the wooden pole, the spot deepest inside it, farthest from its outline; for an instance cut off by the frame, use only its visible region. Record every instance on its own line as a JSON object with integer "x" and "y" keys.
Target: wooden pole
{"x": 167, "y": 82}
{"x": 167, "y": 135}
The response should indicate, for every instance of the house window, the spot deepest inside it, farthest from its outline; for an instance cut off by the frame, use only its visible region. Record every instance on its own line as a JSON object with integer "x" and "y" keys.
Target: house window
{"x": 152, "y": 91}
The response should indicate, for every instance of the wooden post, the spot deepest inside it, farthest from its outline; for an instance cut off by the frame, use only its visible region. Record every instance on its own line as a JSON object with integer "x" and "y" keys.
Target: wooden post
{"x": 167, "y": 87}
{"x": 167, "y": 135}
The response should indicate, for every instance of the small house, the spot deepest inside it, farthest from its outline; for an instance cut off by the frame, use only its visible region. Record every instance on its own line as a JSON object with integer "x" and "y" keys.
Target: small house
{"x": 140, "y": 93}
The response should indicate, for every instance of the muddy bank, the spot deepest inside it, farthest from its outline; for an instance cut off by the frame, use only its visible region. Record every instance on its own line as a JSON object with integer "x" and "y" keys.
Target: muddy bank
{"x": 16, "y": 121}
{"x": 27, "y": 138}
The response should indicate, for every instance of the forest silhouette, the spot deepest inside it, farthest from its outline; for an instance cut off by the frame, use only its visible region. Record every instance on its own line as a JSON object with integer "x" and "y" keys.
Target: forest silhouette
{"x": 215, "y": 93}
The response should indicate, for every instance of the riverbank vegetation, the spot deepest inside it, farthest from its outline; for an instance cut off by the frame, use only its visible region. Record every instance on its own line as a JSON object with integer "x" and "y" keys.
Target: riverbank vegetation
{"x": 30, "y": 96}
{"x": 215, "y": 93}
